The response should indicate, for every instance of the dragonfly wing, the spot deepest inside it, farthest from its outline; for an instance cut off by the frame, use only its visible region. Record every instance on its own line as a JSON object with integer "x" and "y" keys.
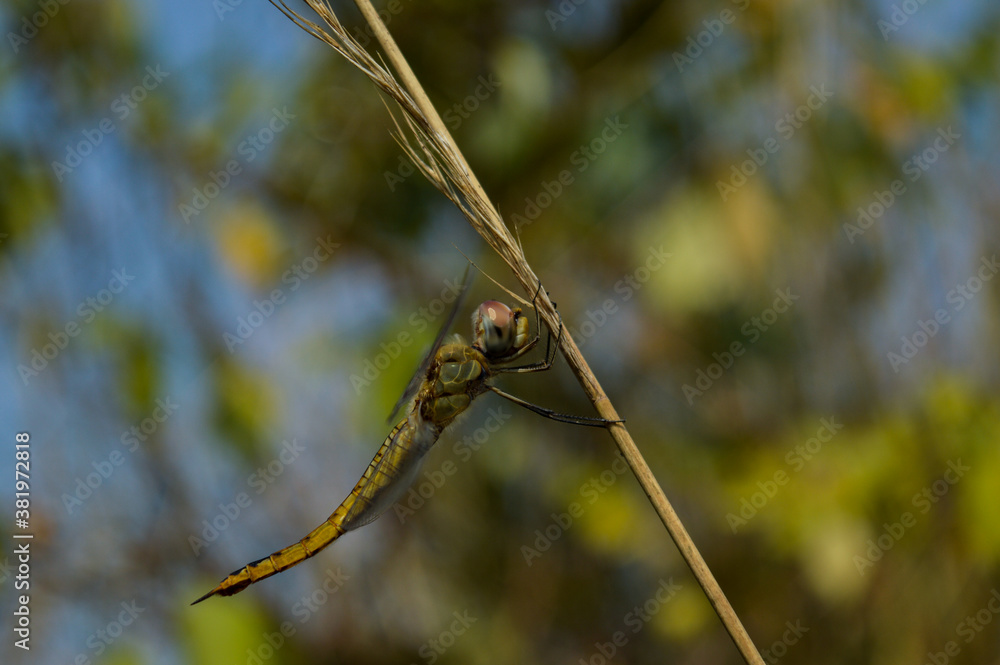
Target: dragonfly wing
{"x": 391, "y": 471}
{"x": 421, "y": 373}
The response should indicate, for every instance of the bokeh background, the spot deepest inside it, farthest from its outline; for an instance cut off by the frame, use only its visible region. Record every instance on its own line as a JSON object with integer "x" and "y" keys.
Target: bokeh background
{"x": 208, "y": 235}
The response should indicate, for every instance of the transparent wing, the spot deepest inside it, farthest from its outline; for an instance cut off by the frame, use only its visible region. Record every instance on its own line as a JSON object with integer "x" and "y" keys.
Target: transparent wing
{"x": 421, "y": 373}
{"x": 391, "y": 471}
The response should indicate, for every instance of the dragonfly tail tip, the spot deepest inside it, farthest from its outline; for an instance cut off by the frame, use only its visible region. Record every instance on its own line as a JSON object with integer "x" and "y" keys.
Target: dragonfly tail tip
{"x": 207, "y": 595}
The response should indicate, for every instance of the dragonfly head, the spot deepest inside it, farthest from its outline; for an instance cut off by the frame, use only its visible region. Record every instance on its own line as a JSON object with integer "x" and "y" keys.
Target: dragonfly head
{"x": 499, "y": 330}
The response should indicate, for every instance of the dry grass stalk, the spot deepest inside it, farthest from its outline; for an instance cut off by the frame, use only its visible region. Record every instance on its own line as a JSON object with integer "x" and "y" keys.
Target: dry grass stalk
{"x": 429, "y": 144}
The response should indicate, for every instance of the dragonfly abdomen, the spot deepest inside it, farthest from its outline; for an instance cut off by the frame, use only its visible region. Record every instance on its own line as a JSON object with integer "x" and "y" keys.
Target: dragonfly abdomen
{"x": 283, "y": 559}
{"x": 457, "y": 375}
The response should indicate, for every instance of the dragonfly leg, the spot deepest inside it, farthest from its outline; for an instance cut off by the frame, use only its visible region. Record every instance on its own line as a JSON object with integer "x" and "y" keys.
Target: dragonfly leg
{"x": 550, "y": 350}
{"x": 542, "y": 365}
{"x": 587, "y": 421}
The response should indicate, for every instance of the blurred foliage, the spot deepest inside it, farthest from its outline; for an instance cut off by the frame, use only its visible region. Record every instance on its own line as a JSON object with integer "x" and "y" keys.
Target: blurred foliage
{"x": 609, "y": 132}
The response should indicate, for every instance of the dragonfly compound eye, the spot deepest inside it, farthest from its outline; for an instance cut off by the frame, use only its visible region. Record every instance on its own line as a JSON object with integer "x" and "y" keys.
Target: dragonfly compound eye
{"x": 495, "y": 327}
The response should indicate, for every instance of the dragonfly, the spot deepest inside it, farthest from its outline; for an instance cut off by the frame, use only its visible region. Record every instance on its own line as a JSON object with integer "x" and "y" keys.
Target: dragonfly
{"x": 449, "y": 378}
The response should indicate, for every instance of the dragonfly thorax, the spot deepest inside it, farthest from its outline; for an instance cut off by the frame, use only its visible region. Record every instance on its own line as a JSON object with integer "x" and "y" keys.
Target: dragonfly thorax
{"x": 499, "y": 331}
